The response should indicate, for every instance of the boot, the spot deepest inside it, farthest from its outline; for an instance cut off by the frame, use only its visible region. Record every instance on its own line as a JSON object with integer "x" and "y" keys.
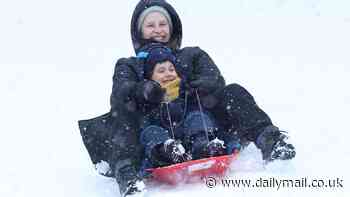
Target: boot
{"x": 215, "y": 148}
{"x": 173, "y": 152}
{"x": 135, "y": 188}
{"x": 129, "y": 181}
{"x": 201, "y": 148}
{"x": 273, "y": 144}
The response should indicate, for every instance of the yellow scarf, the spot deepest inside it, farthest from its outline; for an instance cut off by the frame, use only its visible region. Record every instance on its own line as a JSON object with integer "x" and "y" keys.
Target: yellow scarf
{"x": 172, "y": 89}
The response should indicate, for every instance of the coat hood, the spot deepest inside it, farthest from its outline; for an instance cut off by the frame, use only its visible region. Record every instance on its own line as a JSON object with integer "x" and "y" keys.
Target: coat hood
{"x": 176, "y": 36}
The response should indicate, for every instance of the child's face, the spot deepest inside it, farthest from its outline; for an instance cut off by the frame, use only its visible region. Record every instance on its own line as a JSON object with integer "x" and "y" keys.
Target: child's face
{"x": 164, "y": 72}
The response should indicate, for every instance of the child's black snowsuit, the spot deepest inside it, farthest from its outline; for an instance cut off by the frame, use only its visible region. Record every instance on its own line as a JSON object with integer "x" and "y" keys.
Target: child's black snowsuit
{"x": 189, "y": 124}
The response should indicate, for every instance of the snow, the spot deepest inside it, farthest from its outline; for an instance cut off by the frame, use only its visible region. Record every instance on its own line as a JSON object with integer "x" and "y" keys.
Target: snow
{"x": 56, "y": 64}
{"x": 102, "y": 167}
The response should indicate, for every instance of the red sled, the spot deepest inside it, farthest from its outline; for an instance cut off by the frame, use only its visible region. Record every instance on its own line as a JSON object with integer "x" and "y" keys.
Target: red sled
{"x": 193, "y": 171}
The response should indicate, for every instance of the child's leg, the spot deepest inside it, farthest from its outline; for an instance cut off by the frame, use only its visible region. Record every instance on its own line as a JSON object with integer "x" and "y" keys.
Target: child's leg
{"x": 199, "y": 128}
{"x": 151, "y": 138}
{"x": 160, "y": 148}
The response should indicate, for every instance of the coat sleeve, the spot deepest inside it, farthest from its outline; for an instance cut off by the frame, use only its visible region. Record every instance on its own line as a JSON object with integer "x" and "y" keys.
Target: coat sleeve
{"x": 205, "y": 68}
{"x": 125, "y": 79}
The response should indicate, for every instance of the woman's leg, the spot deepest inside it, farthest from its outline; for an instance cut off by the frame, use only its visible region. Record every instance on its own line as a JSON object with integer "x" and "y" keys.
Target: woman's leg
{"x": 242, "y": 118}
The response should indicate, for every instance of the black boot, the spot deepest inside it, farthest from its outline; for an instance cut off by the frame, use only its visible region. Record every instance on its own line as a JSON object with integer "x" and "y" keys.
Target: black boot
{"x": 202, "y": 148}
{"x": 215, "y": 148}
{"x": 273, "y": 144}
{"x": 135, "y": 188}
{"x": 173, "y": 152}
{"x": 128, "y": 179}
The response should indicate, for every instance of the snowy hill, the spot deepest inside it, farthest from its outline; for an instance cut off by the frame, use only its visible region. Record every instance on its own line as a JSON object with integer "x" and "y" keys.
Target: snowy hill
{"x": 56, "y": 65}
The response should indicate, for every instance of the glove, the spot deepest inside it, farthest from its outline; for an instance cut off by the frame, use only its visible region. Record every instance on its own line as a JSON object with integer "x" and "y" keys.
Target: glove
{"x": 149, "y": 91}
{"x": 204, "y": 86}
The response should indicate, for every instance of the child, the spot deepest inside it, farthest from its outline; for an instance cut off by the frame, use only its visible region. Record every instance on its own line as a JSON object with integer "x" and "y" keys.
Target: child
{"x": 177, "y": 129}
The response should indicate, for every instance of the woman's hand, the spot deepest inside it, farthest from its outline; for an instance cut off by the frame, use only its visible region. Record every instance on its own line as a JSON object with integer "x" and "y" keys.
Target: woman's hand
{"x": 204, "y": 86}
{"x": 204, "y": 89}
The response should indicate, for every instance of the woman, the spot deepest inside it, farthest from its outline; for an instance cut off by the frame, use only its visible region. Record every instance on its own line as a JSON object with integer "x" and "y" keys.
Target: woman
{"x": 156, "y": 20}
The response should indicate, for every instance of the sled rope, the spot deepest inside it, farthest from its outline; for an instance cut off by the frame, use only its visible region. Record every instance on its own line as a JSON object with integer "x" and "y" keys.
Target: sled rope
{"x": 183, "y": 156}
{"x": 202, "y": 116}
{"x": 169, "y": 115}
{"x": 170, "y": 121}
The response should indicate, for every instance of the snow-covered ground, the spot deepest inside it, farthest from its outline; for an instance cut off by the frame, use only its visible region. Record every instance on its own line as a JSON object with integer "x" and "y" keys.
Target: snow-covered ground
{"x": 56, "y": 65}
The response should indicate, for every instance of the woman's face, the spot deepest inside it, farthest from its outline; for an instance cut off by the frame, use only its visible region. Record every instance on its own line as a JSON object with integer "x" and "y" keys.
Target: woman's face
{"x": 156, "y": 27}
{"x": 164, "y": 72}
